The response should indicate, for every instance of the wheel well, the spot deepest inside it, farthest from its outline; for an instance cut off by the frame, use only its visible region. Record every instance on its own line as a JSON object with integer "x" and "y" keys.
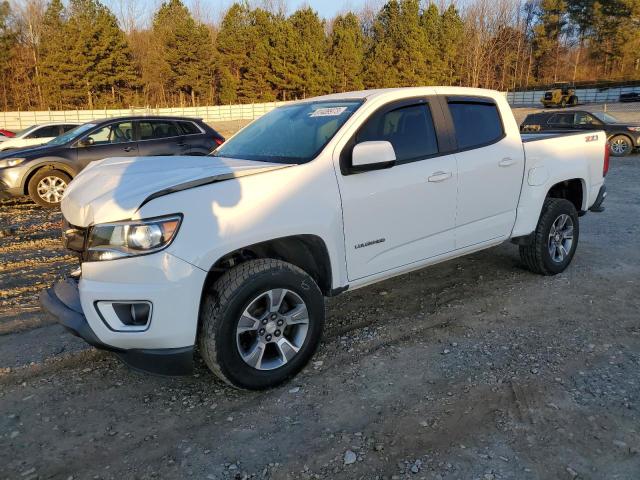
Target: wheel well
{"x": 621, "y": 135}
{"x": 48, "y": 166}
{"x": 570, "y": 190}
{"x": 307, "y": 252}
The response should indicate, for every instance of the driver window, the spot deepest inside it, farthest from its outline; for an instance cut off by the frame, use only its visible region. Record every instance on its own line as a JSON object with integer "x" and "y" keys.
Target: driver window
{"x": 585, "y": 119}
{"x": 114, "y": 133}
{"x": 409, "y": 129}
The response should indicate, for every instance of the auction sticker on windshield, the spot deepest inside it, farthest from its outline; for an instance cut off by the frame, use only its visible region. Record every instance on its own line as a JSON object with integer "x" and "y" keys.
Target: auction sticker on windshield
{"x": 328, "y": 112}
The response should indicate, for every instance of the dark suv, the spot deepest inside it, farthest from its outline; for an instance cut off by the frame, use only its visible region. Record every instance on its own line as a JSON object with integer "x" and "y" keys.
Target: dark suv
{"x": 622, "y": 137}
{"x": 44, "y": 172}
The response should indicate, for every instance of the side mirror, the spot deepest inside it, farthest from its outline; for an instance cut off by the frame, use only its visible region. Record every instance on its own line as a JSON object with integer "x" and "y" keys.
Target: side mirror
{"x": 372, "y": 156}
{"x": 86, "y": 142}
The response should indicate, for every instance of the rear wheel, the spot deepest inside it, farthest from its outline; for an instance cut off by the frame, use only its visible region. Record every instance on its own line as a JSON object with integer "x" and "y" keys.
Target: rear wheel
{"x": 555, "y": 239}
{"x": 46, "y": 187}
{"x": 620, "y": 146}
{"x": 261, "y": 323}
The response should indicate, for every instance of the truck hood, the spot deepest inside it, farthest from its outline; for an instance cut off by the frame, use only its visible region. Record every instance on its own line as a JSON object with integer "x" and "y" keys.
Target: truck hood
{"x": 115, "y": 188}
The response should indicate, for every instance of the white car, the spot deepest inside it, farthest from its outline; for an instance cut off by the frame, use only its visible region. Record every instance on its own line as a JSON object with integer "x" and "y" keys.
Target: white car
{"x": 36, "y": 135}
{"x": 234, "y": 252}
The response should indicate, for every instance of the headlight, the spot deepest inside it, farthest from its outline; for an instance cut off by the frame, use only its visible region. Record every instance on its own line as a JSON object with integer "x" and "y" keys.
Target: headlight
{"x": 634, "y": 129}
{"x": 11, "y": 162}
{"x": 109, "y": 241}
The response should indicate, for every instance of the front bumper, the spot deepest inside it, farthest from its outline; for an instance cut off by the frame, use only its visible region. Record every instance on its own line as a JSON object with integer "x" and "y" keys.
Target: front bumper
{"x": 62, "y": 301}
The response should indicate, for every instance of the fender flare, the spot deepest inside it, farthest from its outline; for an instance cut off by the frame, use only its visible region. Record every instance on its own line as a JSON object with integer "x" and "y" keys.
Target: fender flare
{"x": 48, "y": 164}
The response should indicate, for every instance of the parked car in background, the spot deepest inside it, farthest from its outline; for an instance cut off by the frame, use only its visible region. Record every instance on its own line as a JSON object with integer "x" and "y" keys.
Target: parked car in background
{"x": 36, "y": 135}
{"x": 6, "y": 134}
{"x": 623, "y": 137}
{"x": 630, "y": 97}
{"x": 44, "y": 172}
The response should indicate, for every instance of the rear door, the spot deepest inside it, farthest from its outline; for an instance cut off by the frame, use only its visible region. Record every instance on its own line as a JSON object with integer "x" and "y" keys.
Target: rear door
{"x": 490, "y": 170}
{"x": 161, "y": 137}
{"x": 112, "y": 140}
{"x": 403, "y": 214}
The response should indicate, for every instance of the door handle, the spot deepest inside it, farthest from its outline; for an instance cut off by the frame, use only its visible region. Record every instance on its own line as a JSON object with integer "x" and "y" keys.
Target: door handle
{"x": 440, "y": 176}
{"x": 507, "y": 162}
{"x": 129, "y": 149}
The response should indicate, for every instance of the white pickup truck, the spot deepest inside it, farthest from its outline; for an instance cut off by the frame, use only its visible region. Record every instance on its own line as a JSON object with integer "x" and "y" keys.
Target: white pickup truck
{"x": 235, "y": 251}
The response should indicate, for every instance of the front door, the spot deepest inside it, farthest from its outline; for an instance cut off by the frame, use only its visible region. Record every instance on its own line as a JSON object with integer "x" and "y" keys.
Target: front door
{"x": 404, "y": 214}
{"x": 113, "y": 140}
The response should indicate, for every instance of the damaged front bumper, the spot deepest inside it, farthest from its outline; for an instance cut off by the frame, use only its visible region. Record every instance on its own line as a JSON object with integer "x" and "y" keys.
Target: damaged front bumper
{"x": 62, "y": 301}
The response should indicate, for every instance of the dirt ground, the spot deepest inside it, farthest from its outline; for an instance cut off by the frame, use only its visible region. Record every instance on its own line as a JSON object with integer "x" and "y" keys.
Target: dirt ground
{"x": 472, "y": 369}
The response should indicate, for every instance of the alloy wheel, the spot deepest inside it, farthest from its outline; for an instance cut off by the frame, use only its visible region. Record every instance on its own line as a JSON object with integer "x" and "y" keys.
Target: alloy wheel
{"x": 272, "y": 329}
{"x": 560, "y": 238}
{"x": 51, "y": 188}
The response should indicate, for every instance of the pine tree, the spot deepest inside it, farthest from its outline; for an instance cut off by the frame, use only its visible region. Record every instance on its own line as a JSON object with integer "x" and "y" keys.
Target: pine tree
{"x": 399, "y": 48}
{"x": 232, "y": 46}
{"x": 450, "y": 45}
{"x": 347, "y": 53}
{"x": 255, "y": 83}
{"x": 434, "y": 30}
{"x": 310, "y": 53}
{"x": 7, "y": 41}
{"x": 54, "y": 47}
{"x": 187, "y": 53}
{"x": 104, "y": 61}
{"x": 547, "y": 41}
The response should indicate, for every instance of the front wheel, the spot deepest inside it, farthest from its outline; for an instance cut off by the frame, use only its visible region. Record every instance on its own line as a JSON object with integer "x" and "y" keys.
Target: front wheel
{"x": 554, "y": 240}
{"x": 46, "y": 187}
{"x": 260, "y": 323}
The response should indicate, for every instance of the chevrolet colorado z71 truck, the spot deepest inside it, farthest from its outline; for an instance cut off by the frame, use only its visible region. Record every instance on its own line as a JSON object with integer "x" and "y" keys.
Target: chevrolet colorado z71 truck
{"x": 234, "y": 252}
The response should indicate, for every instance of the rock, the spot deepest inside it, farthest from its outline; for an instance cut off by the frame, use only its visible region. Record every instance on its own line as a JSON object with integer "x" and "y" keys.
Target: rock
{"x": 349, "y": 457}
{"x": 294, "y": 390}
{"x": 572, "y": 473}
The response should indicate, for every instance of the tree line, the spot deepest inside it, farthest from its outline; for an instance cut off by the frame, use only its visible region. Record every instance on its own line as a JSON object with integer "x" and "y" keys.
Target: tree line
{"x": 79, "y": 54}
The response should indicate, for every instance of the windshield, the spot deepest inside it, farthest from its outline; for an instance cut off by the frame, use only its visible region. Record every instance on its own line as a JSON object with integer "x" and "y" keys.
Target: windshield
{"x": 605, "y": 117}
{"x": 71, "y": 135}
{"x": 290, "y": 134}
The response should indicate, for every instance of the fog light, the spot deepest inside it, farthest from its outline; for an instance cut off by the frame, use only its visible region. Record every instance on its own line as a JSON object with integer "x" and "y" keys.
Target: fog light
{"x": 125, "y": 316}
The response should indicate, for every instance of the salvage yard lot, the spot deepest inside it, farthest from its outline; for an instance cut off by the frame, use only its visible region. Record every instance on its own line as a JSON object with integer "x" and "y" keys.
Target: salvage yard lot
{"x": 474, "y": 368}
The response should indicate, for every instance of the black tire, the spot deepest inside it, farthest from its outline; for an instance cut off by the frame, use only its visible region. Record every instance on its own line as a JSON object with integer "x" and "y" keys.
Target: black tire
{"x": 536, "y": 256}
{"x": 223, "y": 306}
{"x": 622, "y": 141}
{"x": 574, "y": 101}
{"x": 32, "y": 188}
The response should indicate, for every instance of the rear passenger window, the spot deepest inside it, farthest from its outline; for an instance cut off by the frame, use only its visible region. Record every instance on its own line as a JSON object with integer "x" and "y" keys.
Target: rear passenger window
{"x": 154, "y": 129}
{"x": 409, "y": 129}
{"x": 189, "y": 128}
{"x": 476, "y": 123}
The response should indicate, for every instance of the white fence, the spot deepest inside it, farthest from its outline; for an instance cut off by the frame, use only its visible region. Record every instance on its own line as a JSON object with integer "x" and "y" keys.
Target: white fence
{"x": 221, "y": 113}
{"x": 224, "y": 113}
{"x": 585, "y": 95}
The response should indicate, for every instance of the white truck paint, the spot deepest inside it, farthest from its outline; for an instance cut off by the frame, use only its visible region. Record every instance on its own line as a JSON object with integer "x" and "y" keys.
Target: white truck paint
{"x": 379, "y": 219}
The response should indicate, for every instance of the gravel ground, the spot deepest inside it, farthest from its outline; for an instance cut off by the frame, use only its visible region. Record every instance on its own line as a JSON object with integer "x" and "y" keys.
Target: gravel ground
{"x": 472, "y": 369}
